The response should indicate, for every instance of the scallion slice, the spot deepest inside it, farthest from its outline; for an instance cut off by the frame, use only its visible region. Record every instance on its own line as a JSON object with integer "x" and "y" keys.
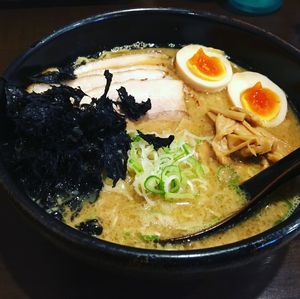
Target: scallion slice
{"x": 173, "y": 172}
{"x": 153, "y": 184}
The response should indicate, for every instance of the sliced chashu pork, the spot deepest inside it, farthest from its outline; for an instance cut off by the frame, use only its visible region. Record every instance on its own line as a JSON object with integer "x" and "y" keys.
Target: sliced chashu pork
{"x": 154, "y": 58}
{"x": 114, "y": 70}
{"x": 234, "y": 134}
{"x": 167, "y": 95}
{"x": 90, "y": 82}
{"x": 143, "y": 75}
{"x": 135, "y": 65}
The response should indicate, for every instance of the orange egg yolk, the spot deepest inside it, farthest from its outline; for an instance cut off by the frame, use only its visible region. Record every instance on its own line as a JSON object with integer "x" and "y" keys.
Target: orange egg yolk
{"x": 261, "y": 101}
{"x": 206, "y": 67}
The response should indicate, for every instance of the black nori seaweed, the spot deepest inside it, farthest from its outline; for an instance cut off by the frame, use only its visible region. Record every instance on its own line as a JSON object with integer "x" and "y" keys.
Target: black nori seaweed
{"x": 156, "y": 141}
{"x": 129, "y": 107}
{"x": 91, "y": 227}
{"x": 60, "y": 151}
{"x": 55, "y": 77}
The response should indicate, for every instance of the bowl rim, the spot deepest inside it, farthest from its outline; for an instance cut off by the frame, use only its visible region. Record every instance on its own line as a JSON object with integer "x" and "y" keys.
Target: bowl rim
{"x": 260, "y": 242}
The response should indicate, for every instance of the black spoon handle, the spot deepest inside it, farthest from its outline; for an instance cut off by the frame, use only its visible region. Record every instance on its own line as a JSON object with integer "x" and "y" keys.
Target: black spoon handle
{"x": 255, "y": 188}
{"x": 261, "y": 184}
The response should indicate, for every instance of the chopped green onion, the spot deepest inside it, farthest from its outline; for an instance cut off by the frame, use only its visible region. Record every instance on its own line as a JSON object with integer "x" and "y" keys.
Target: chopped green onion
{"x": 179, "y": 156}
{"x": 137, "y": 138}
{"x": 153, "y": 184}
{"x": 150, "y": 237}
{"x": 186, "y": 148}
{"x": 135, "y": 165}
{"x": 196, "y": 165}
{"x": 127, "y": 234}
{"x": 171, "y": 172}
{"x": 171, "y": 184}
{"x": 289, "y": 205}
{"x": 229, "y": 176}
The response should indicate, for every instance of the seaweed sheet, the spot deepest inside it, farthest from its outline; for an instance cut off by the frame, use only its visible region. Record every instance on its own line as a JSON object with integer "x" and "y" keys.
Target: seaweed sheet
{"x": 60, "y": 150}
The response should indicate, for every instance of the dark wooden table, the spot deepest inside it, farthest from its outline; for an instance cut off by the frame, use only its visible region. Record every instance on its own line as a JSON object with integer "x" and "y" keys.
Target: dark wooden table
{"x": 30, "y": 267}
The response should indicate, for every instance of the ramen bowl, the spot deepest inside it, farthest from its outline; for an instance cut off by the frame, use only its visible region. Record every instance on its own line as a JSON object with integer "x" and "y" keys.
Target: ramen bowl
{"x": 247, "y": 45}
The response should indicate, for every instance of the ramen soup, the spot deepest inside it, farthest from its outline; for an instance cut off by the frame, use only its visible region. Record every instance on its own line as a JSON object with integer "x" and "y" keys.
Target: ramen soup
{"x": 212, "y": 125}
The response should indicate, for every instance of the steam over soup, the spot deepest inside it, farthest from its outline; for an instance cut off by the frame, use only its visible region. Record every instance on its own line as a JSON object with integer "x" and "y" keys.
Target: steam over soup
{"x": 197, "y": 126}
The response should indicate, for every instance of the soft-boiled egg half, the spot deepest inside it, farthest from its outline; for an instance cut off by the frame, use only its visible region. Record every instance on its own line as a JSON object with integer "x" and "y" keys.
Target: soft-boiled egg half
{"x": 204, "y": 69}
{"x": 259, "y": 96}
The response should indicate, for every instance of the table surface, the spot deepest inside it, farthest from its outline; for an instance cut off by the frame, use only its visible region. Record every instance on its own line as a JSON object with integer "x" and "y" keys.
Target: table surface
{"x": 30, "y": 267}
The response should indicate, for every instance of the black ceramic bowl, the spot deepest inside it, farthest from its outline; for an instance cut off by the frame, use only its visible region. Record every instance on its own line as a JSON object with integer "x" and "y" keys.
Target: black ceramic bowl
{"x": 245, "y": 44}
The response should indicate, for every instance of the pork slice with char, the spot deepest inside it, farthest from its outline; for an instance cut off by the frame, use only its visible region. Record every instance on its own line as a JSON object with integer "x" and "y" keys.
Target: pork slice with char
{"x": 92, "y": 81}
{"x": 166, "y": 95}
{"x": 154, "y": 58}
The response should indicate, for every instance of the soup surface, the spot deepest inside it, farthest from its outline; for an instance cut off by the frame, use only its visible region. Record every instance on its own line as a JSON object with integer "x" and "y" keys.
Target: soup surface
{"x": 186, "y": 178}
{"x": 128, "y": 218}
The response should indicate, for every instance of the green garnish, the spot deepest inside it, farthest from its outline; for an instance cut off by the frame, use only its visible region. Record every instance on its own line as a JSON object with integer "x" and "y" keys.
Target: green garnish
{"x": 229, "y": 176}
{"x": 127, "y": 235}
{"x": 153, "y": 184}
{"x": 172, "y": 172}
{"x": 135, "y": 165}
{"x": 292, "y": 204}
{"x": 150, "y": 237}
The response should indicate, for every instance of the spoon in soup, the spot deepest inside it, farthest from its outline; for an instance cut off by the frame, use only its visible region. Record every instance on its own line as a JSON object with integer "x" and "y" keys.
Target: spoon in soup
{"x": 255, "y": 190}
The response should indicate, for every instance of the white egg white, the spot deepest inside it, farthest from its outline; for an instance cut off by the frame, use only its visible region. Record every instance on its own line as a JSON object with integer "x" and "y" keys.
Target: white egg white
{"x": 187, "y": 52}
{"x": 244, "y": 80}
